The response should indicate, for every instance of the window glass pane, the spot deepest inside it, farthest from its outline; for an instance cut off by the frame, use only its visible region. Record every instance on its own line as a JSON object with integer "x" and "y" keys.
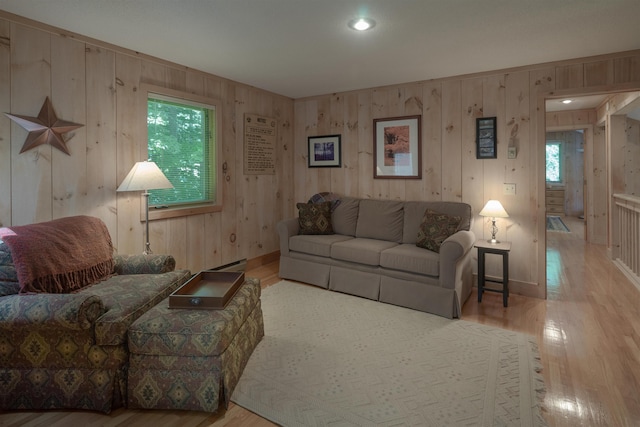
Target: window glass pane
{"x": 181, "y": 140}
{"x": 554, "y": 162}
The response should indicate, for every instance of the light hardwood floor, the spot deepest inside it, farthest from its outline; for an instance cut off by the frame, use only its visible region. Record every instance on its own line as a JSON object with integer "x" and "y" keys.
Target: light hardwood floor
{"x": 588, "y": 333}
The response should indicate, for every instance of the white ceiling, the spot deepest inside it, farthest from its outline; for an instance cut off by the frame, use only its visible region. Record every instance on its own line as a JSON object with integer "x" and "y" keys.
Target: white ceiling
{"x": 301, "y": 48}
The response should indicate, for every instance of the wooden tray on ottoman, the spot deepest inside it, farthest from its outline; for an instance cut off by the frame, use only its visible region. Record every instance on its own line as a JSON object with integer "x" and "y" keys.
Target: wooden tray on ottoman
{"x": 207, "y": 290}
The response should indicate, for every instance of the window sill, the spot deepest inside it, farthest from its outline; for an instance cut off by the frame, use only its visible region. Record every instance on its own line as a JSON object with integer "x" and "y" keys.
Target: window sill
{"x": 165, "y": 213}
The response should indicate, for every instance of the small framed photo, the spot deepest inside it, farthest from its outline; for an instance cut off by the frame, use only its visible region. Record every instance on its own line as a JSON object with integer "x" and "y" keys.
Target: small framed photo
{"x": 486, "y": 138}
{"x": 397, "y": 148}
{"x": 325, "y": 151}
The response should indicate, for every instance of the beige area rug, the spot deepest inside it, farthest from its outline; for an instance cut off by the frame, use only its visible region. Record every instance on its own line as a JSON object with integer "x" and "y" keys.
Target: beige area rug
{"x": 330, "y": 359}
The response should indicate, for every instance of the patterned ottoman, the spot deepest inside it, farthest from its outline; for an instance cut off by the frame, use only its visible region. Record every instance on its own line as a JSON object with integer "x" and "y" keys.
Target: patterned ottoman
{"x": 193, "y": 359}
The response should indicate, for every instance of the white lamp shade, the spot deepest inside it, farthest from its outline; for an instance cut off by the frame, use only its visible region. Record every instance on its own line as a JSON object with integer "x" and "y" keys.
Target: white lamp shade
{"x": 494, "y": 209}
{"x": 144, "y": 176}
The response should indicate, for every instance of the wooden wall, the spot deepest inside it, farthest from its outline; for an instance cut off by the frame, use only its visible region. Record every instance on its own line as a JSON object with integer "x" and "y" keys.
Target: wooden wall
{"x": 450, "y": 170}
{"x": 96, "y": 84}
{"x": 632, "y": 158}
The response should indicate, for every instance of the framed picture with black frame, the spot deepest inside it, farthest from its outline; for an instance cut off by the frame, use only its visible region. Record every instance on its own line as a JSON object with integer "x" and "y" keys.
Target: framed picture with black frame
{"x": 486, "y": 138}
{"x": 325, "y": 151}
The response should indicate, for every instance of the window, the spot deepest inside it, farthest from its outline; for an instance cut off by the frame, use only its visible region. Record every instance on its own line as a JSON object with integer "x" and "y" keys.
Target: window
{"x": 554, "y": 162}
{"x": 181, "y": 140}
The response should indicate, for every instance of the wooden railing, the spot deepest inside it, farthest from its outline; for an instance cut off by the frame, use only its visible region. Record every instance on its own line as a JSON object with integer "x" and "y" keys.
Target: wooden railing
{"x": 627, "y": 235}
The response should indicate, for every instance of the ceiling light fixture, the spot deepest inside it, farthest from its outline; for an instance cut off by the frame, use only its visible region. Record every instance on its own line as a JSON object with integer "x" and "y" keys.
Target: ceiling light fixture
{"x": 362, "y": 24}
{"x": 566, "y": 101}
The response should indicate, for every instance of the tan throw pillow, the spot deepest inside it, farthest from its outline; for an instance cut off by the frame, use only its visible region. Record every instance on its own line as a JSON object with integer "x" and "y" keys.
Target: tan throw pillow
{"x": 315, "y": 218}
{"x": 435, "y": 228}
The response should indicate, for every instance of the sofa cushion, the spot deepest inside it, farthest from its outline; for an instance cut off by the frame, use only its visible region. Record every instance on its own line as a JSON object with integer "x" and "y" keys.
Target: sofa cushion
{"x": 345, "y": 216}
{"x": 414, "y": 213}
{"x": 435, "y": 228}
{"x": 9, "y": 284}
{"x": 7, "y": 269}
{"x": 315, "y": 245}
{"x": 315, "y": 218}
{"x": 380, "y": 219}
{"x": 62, "y": 255}
{"x": 362, "y": 251}
{"x": 410, "y": 258}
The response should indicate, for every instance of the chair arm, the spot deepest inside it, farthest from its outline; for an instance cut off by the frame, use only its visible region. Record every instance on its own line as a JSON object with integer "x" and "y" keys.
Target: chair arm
{"x": 287, "y": 228}
{"x": 144, "y": 264}
{"x": 27, "y": 312}
{"x": 453, "y": 249}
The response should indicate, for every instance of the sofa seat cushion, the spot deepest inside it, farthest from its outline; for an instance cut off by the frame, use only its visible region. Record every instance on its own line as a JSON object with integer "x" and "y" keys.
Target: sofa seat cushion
{"x": 128, "y": 297}
{"x": 362, "y": 251}
{"x": 410, "y": 258}
{"x": 319, "y": 245}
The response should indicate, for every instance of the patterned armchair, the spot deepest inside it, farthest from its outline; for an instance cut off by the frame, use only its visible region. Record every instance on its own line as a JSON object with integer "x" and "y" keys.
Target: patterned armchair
{"x": 68, "y": 350}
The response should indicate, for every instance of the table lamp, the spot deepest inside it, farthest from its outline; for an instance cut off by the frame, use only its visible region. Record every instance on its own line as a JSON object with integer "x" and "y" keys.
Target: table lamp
{"x": 145, "y": 176}
{"x": 493, "y": 209}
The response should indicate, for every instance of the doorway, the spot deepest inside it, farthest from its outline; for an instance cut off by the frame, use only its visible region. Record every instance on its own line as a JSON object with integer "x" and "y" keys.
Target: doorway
{"x": 565, "y": 180}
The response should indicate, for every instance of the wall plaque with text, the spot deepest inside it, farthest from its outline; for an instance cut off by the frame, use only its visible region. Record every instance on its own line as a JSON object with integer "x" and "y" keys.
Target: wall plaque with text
{"x": 259, "y": 145}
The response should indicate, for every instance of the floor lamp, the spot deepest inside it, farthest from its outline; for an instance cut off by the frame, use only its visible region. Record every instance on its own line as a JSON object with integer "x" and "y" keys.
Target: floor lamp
{"x": 494, "y": 209}
{"x": 145, "y": 176}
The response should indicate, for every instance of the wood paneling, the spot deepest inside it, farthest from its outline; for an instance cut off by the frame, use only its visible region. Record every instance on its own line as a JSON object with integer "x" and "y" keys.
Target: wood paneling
{"x": 98, "y": 86}
{"x": 5, "y": 123}
{"x": 632, "y": 158}
{"x": 450, "y": 170}
{"x": 30, "y": 82}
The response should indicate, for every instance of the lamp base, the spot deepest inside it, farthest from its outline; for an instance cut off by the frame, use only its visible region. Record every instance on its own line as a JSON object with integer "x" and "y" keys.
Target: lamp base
{"x": 493, "y": 241}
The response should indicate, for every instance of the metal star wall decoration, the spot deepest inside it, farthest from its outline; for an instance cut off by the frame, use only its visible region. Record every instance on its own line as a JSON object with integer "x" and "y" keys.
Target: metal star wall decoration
{"x": 44, "y": 129}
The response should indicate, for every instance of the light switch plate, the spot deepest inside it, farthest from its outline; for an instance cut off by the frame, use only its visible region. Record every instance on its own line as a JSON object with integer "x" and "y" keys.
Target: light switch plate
{"x": 509, "y": 189}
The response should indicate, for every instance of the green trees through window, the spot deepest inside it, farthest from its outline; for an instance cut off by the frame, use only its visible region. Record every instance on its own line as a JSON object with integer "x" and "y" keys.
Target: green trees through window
{"x": 554, "y": 162}
{"x": 181, "y": 140}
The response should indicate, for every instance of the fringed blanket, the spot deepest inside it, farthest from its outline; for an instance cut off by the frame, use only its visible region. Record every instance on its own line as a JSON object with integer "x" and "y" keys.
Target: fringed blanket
{"x": 62, "y": 255}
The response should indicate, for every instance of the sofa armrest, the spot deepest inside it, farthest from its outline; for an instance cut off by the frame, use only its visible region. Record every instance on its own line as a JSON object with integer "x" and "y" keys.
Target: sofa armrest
{"x": 287, "y": 228}
{"x": 144, "y": 264}
{"x": 27, "y": 312}
{"x": 454, "y": 248}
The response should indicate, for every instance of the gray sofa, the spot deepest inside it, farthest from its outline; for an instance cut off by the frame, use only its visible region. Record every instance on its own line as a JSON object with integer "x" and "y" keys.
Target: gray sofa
{"x": 373, "y": 254}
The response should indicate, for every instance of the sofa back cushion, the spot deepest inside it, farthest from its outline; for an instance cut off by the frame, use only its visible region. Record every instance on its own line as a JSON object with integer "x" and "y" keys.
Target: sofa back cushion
{"x": 414, "y": 213}
{"x": 380, "y": 219}
{"x": 345, "y": 216}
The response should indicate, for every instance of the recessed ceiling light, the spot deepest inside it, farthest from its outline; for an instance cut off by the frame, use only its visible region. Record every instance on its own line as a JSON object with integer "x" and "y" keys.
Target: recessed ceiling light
{"x": 362, "y": 24}
{"x": 566, "y": 101}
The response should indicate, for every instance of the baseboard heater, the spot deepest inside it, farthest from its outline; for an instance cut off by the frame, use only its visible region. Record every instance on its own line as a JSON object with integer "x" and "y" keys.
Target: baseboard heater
{"x": 240, "y": 265}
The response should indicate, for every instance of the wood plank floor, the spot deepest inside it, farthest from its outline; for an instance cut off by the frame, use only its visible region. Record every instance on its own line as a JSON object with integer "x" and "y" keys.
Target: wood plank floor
{"x": 588, "y": 332}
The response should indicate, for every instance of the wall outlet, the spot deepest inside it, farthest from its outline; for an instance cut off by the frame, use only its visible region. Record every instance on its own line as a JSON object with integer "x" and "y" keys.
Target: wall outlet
{"x": 509, "y": 189}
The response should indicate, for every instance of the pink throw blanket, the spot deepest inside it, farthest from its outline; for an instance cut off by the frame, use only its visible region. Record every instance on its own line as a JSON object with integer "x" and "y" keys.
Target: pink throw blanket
{"x": 62, "y": 255}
